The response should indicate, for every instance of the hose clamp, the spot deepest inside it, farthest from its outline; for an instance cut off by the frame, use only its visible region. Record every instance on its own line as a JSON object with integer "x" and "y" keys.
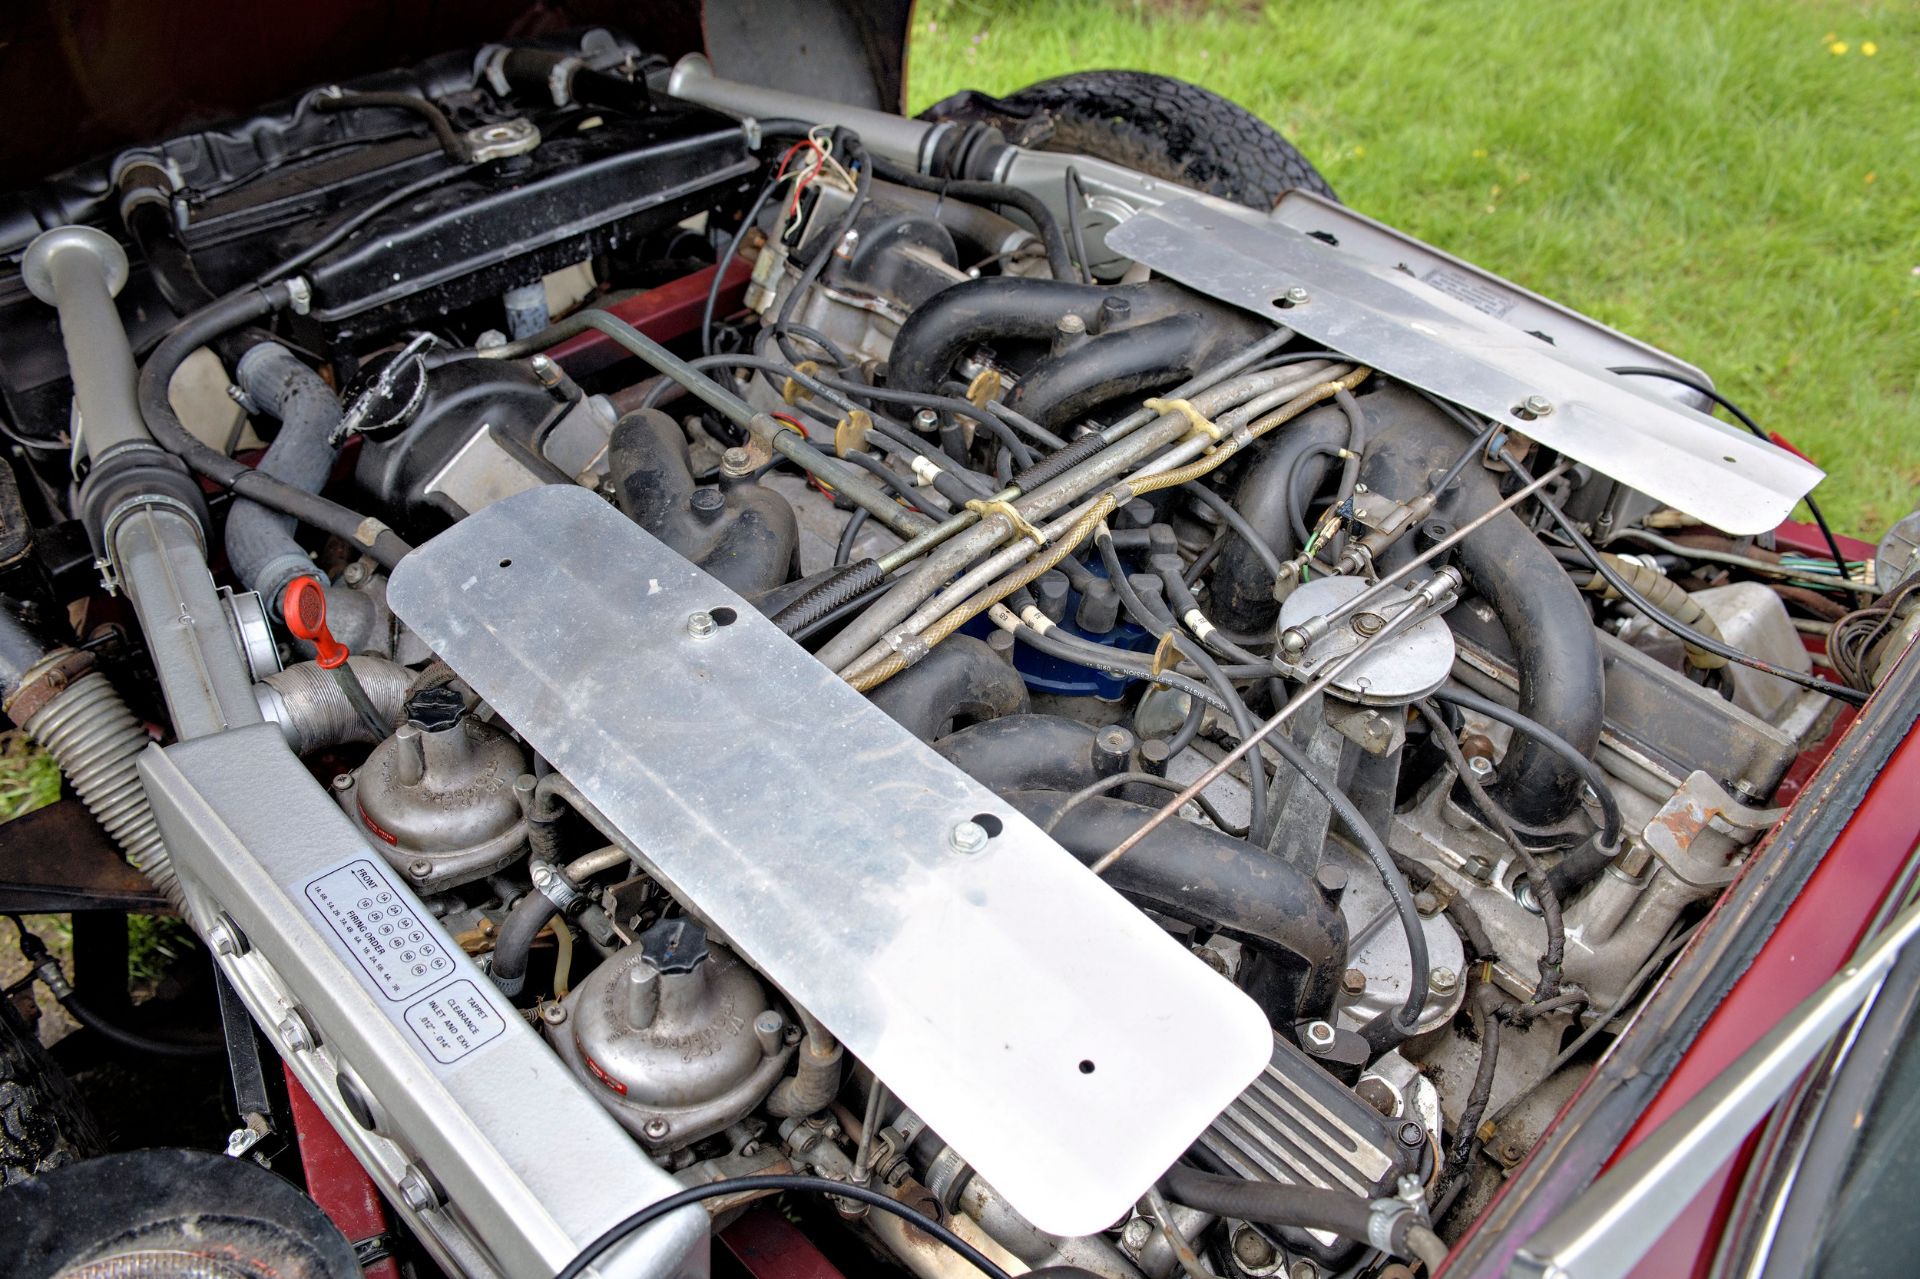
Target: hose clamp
{"x": 551, "y": 884}
{"x": 1383, "y": 1222}
{"x": 50, "y": 677}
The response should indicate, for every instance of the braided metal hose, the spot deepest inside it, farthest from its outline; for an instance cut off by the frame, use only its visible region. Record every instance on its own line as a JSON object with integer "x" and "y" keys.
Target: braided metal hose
{"x": 96, "y": 740}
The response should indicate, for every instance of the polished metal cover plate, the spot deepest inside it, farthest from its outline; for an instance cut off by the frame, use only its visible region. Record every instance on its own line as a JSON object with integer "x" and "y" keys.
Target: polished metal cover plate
{"x": 1398, "y": 324}
{"x": 1064, "y": 1044}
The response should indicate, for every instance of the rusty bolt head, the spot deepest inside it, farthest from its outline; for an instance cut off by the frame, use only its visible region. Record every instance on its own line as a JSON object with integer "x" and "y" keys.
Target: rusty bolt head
{"x": 1319, "y": 1035}
{"x": 1353, "y": 982}
{"x": 736, "y": 462}
{"x": 1251, "y": 1249}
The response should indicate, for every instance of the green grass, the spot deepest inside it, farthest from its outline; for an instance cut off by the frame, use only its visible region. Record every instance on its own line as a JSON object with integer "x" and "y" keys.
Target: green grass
{"x": 1712, "y": 178}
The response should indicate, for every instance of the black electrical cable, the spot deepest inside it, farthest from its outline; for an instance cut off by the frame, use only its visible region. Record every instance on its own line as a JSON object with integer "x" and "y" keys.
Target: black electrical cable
{"x": 1548, "y": 987}
{"x": 783, "y": 1182}
{"x": 1236, "y": 522}
{"x": 807, "y": 333}
{"x": 1076, "y": 200}
{"x": 334, "y": 238}
{"x": 443, "y": 131}
{"x": 1160, "y": 627}
{"x": 848, "y": 536}
{"x": 134, "y": 1042}
{"x": 1096, "y": 789}
{"x": 1189, "y": 727}
{"x": 1694, "y": 384}
{"x": 1407, "y": 1020}
{"x": 1610, "y": 824}
{"x": 725, "y": 259}
{"x": 1839, "y": 692}
{"x": 1466, "y": 1133}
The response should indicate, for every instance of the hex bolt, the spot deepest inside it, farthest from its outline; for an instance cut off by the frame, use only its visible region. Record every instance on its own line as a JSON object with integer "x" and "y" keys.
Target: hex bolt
{"x": 968, "y": 837}
{"x": 1588, "y": 795}
{"x": 1353, "y": 982}
{"x": 1136, "y": 1235}
{"x": 223, "y": 938}
{"x": 416, "y": 1192}
{"x": 657, "y": 1129}
{"x": 1251, "y": 1249}
{"x": 700, "y": 625}
{"x": 1298, "y": 296}
{"x": 1303, "y": 1269}
{"x": 1426, "y": 903}
{"x": 1538, "y": 406}
{"x": 1480, "y": 766}
{"x": 926, "y": 421}
{"x": 1319, "y": 1036}
{"x": 294, "y": 1032}
{"x": 1442, "y": 981}
{"x": 736, "y": 462}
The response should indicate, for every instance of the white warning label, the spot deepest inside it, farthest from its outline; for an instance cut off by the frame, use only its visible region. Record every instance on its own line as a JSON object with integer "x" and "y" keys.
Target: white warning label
{"x": 454, "y": 1021}
{"x": 1481, "y": 295}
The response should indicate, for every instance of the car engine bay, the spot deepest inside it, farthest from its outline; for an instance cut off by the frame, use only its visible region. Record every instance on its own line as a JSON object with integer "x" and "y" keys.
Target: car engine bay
{"x": 653, "y": 594}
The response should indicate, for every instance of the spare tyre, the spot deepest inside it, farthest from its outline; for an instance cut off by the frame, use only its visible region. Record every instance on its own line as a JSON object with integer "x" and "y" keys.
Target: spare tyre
{"x": 1161, "y": 126}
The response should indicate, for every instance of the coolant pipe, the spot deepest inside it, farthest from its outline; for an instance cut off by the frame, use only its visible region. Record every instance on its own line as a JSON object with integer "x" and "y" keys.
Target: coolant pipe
{"x": 260, "y": 544}
{"x": 141, "y": 507}
{"x": 895, "y": 137}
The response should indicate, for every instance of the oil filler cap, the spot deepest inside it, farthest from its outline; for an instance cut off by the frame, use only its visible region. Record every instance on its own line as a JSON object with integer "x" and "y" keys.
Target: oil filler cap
{"x": 674, "y": 946}
{"x": 435, "y": 710}
{"x": 304, "y": 605}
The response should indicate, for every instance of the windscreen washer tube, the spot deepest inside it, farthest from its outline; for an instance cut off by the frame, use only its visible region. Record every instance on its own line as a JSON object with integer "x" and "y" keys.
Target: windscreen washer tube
{"x": 140, "y": 505}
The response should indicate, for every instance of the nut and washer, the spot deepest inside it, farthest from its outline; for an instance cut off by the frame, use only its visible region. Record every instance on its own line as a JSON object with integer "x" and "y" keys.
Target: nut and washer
{"x": 736, "y": 462}
{"x": 1319, "y": 1035}
{"x": 700, "y": 625}
{"x": 1480, "y": 766}
{"x": 968, "y": 837}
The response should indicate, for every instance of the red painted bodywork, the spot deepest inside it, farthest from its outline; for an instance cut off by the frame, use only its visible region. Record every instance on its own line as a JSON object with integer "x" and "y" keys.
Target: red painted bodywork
{"x": 335, "y": 1179}
{"x": 768, "y": 1246}
{"x": 663, "y": 314}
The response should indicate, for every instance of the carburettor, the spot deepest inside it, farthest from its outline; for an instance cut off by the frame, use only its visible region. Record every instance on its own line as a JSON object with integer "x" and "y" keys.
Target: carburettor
{"x": 444, "y": 799}
{"x": 674, "y": 1036}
